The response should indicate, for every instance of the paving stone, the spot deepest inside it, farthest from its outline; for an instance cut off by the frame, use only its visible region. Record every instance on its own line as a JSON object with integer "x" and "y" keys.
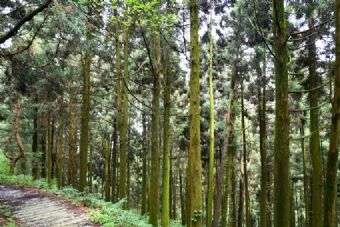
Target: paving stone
{"x": 33, "y": 209}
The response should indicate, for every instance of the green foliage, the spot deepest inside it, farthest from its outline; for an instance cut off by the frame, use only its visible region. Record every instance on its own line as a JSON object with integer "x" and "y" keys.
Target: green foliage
{"x": 4, "y": 165}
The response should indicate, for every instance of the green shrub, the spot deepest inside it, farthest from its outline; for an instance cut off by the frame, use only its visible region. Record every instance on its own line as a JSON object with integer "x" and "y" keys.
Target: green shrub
{"x": 4, "y": 164}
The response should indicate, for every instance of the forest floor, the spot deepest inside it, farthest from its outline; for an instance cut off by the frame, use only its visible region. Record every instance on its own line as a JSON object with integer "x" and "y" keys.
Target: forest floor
{"x": 34, "y": 208}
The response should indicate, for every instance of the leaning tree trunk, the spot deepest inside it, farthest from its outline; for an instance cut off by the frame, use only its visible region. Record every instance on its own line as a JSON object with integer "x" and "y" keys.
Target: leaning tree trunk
{"x": 281, "y": 133}
{"x": 330, "y": 193}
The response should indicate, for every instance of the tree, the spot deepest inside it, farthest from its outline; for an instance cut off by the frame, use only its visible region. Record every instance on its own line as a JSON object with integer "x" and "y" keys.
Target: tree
{"x": 194, "y": 200}
{"x": 281, "y": 134}
{"x": 85, "y": 114}
{"x": 329, "y": 204}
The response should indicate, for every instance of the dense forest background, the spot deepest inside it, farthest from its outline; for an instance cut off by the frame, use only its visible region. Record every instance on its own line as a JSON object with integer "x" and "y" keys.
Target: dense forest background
{"x": 214, "y": 113}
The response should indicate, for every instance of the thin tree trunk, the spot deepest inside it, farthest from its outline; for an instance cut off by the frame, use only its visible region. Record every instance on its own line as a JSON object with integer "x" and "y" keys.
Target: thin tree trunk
{"x": 263, "y": 144}
{"x": 166, "y": 141}
{"x": 72, "y": 142}
{"x": 123, "y": 130}
{"x": 59, "y": 144}
{"x": 35, "y": 162}
{"x": 245, "y": 160}
{"x": 144, "y": 170}
{"x": 49, "y": 150}
{"x": 305, "y": 179}
{"x": 210, "y": 190}
{"x": 106, "y": 173}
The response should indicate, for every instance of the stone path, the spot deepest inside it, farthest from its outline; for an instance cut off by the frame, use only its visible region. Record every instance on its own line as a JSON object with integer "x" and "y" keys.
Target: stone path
{"x": 34, "y": 209}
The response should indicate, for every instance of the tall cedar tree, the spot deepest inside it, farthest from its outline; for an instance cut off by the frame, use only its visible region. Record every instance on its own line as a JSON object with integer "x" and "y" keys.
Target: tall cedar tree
{"x": 155, "y": 154}
{"x": 329, "y": 215}
{"x": 194, "y": 200}
{"x": 85, "y": 114}
{"x": 281, "y": 133}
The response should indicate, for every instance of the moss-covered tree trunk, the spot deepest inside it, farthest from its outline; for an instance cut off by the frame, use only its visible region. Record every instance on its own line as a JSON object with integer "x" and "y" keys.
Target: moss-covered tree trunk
{"x": 124, "y": 125}
{"x": 330, "y": 193}
{"x": 210, "y": 189}
{"x": 316, "y": 199}
{"x": 165, "y": 220}
{"x": 281, "y": 132}
{"x": 194, "y": 177}
{"x": 85, "y": 115}
{"x": 155, "y": 154}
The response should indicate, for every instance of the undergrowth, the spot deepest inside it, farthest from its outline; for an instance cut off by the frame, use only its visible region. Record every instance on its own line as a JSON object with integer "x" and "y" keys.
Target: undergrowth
{"x": 105, "y": 213}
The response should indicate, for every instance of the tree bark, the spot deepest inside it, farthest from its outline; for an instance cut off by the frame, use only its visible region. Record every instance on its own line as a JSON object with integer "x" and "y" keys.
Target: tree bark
{"x": 85, "y": 115}
{"x": 194, "y": 177}
{"x": 330, "y": 193}
{"x": 281, "y": 134}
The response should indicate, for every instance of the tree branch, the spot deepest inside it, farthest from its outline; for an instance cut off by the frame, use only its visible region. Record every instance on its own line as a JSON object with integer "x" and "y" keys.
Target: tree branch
{"x": 25, "y": 19}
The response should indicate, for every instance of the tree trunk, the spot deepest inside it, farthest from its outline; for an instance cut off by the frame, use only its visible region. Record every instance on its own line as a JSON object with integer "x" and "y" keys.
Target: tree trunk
{"x": 181, "y": 194}
{"x": 106, "y": 173}
{"x": 194, "y": 176}
{"x": 316, "y": 209}
{"x": 229, "y": 128}
{"x": 144, "y": 170}
{"x": 60, "y": 140}
{"x": 155, "y": 154}
{"x": 210, "y": 189}
{"x": 166, "y": 141}
{"x": 21, "y": 148}
{"x": 263, "y": 143}
{"x": 72, "y": 142}
{"x": 305, "y": 179}
{"x": 49, "y": 150}
{"x": 330, "y": 193}
{"x": 281, "y": 134}
{"x": 35, "y": 162}
{"x": 123, "y": 130}
{"x": 245, "y": 160}
{"x": 85, "y": 115}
